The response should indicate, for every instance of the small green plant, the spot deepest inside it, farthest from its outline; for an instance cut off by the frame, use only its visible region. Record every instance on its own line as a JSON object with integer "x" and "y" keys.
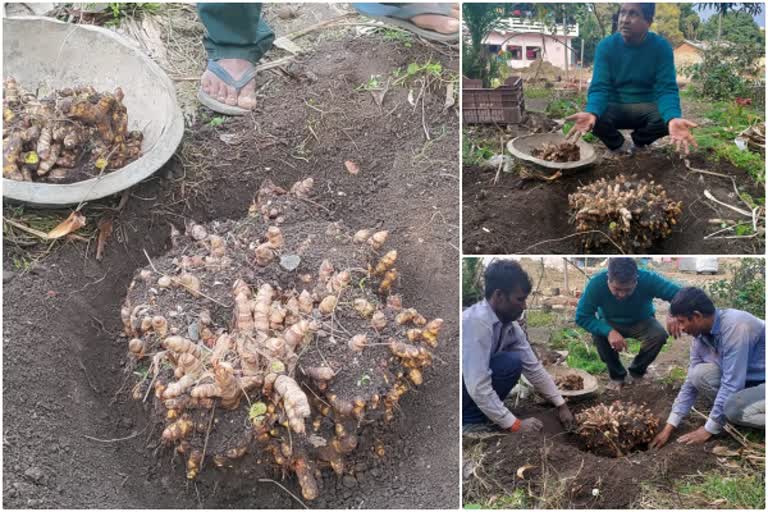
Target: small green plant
{"x": 257, "y": 411}
{"x": 398, "y": 36}
{"x": 582, "y": 353}
{"x": 217, "y": 121}
{"x": 364, "y": 380}
{"x": 533, "y": 93}
{"x": 518, "y": 499}
{"x": 121, "y": 10}
{"x": 474, "y": 153}
{"x": 675, "y": 376}
{"x": 372, "y": 84}
{"x": 20, "y": 263}
{"x": 414, "y": 69}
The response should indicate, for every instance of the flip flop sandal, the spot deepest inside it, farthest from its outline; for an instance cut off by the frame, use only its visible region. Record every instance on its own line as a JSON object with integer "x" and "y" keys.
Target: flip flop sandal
{"x": 401, "y": 15}
{"x": 216, "y": 105}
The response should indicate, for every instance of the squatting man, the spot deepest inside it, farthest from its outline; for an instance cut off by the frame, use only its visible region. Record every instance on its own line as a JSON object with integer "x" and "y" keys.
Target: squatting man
{"x": 727, "y": 367}
{"x": 496, "y": 352}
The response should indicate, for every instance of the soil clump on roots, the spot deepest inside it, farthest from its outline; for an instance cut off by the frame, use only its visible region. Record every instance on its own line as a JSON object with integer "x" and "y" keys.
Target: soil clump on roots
{"x": 567, "y": 473}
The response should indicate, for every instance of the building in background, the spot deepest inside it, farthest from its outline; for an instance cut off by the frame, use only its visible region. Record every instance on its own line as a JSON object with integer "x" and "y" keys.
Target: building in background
{"x": 520, "y": 41}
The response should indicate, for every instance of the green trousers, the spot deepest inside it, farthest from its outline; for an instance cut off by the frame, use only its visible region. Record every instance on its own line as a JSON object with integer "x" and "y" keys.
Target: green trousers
{"x": 235, "y": 31}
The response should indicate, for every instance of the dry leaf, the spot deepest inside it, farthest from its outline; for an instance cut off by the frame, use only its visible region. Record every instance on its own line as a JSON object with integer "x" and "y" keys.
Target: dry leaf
{"x": 75, "y": 221}
{"x": 522, "y": 469}
{"x": 723, "y": 451}
{"x": 105, "y": 231}
{"x": 352, "y": 167}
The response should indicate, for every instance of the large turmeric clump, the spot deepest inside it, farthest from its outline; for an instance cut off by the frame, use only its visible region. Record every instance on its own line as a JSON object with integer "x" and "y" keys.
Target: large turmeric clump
{"x": 563, "y": 152}
{"x": 617, "y": 429}
{"x": 630, "y": 212}
{"x": 274, "y": 339}
{"x": 69, "y": 135}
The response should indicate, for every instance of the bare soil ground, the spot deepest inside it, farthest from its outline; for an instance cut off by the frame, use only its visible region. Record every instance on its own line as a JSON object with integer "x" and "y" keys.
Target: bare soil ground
{"x": 564, "y": 475}
{"x": 517, "y": 216}
{"x": 72, "y": 438}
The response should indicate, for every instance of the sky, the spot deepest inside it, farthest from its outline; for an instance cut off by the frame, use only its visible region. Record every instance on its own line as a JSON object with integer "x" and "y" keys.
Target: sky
{"x": 759, "y": 19}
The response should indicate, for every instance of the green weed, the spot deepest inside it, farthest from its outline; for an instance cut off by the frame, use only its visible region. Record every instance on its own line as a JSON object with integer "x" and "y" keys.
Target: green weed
{"x": 398, "y": 36}
{"x": 217, "y": 121}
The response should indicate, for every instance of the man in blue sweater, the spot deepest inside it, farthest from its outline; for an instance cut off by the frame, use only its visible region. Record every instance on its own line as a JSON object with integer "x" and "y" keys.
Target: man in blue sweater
{"x": 618, "y": 304}
{"x": 727, "y": 367}
{"x": 634, "y": 87}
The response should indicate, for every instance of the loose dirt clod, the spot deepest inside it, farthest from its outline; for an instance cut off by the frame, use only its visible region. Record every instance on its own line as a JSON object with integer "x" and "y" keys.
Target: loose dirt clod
{"x": 290, "y": 363}
{"x": 570, "y": 382}
{"x": 616, "y": 429}
{"x": 563, "y": 152}
{"x": 69, "y": 135}
{"x": 634, "y": 213}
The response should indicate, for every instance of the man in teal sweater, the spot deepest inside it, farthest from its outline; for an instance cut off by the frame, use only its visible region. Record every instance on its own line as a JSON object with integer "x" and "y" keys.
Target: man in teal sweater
{"x": 634, "y": 87}
{"x": 618, "y": 304}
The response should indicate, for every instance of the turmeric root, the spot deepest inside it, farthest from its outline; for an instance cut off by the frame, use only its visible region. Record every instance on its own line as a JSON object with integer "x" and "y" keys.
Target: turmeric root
{"x": 385, "y": 263}
{"x": 181, "y": 345}
{"x": 294, "y": 401}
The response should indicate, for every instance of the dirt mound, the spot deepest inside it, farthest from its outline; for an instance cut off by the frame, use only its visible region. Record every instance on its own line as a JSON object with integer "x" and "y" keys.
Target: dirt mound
{"x": 564, "y": 474}
{"x": 530, "y": 216}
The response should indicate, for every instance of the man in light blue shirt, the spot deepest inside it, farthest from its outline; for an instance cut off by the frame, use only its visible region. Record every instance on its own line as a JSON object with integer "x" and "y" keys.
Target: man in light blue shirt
{"x": 496, "y": 352}
{"x": 727, "y": 366}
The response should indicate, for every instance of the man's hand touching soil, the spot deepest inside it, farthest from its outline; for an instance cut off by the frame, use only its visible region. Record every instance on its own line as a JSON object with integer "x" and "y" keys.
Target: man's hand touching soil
{"x": 662, "y": 437}
{"x": 566, "y": 417}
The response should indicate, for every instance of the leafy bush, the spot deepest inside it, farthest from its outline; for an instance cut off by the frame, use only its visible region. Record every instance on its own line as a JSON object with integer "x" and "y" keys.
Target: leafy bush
{"x": 745, "y": 290}
{"x": 726, "y": 72}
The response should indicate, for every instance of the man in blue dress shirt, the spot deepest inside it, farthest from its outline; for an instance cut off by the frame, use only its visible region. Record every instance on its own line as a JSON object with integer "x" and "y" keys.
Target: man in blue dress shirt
{"x": 727, "y": 367}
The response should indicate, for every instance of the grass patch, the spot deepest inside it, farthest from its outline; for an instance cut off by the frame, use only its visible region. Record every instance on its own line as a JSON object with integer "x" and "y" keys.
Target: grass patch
{"x": 537, "y": 93}
{"x": 538, "y": 318}
{"x": 728, "y": 491}
{"x": 728, "y": 120}
{"x": 582, "y": 354}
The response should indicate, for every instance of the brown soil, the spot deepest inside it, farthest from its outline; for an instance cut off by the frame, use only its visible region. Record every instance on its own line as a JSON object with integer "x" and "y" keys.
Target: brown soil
{"x": 564, "y": 474}
{"x": 63, "y": 375}
{"x": 518, "y": 216}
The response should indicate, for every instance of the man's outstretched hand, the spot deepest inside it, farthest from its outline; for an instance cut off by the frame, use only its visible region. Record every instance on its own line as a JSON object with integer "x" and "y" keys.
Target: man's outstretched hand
{"x": 529, "y": 425}
{"x": 680, "y": 133}
{"x": 662, "y": 437}
{"x": 583, "y": 124}
{"x": 698, "y": 436}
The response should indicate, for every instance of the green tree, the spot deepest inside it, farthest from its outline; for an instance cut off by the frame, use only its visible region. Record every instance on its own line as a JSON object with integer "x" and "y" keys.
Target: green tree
{"x": 689, "y": 21}
{"x": 734, "y": 27}
{"x": 471, "y": 280}
{"x": 667, "y": 23}
{"x": 723, "y": 8}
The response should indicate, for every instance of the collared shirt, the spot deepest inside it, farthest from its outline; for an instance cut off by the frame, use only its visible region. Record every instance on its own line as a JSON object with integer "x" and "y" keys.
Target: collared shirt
{"x": 736, "y": 343}
{"x": 483, "y": 335}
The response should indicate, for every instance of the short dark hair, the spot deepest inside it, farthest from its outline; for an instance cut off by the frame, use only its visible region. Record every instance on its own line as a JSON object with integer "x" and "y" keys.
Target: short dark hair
{"x": 648, "y": 10}
{"x": 506, "y": 275}
{"x": 622, "y": 270}
{"x": 691, "y": 299}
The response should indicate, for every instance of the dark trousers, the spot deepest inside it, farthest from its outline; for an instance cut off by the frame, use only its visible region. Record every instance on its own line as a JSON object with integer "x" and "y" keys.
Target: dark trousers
{"x": 506, "y": 368}
{"x": 652, "y": 335}
{"x": 643, "y": 118}
{"x": 235, "y": 31}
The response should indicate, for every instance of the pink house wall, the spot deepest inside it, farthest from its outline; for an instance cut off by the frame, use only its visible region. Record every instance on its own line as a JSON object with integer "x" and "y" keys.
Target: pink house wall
{"x": 555, "y": 55}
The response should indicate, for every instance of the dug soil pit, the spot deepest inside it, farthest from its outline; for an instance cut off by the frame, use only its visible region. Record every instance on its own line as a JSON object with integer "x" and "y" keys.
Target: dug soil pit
{"x": 73, "y": 435}
{"x": 560, "y": 470}
{"x": 530, "y": 216}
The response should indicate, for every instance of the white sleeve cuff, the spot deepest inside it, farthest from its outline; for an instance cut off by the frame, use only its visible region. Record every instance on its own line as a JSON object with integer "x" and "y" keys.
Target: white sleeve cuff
{"x": 674, "y": 419}
{"x": 713, "y": 427}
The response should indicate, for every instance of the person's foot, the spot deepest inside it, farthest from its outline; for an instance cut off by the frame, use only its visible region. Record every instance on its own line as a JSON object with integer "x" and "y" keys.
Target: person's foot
{"x": 615, "y": 385}
{"x": 439, "y": 23}
{"x": 635, "y": 379}
{"x": 214, "y": 87}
